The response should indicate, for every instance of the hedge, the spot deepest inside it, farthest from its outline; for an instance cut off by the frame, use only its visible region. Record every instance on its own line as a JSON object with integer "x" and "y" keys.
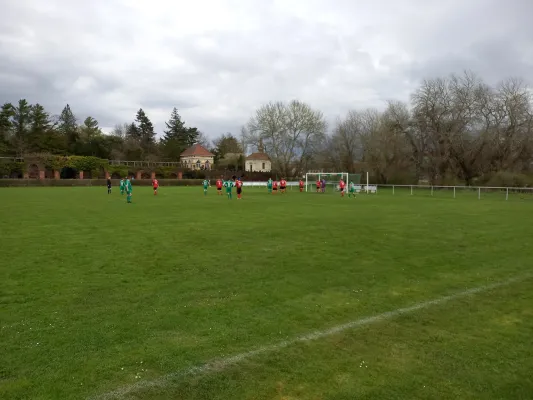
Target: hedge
{"x": 94, "y": 182}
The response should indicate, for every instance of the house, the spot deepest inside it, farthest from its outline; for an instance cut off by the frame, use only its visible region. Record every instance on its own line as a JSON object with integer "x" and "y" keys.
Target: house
{"x": 258, "y": 162}
{"x": 197, "y": 157}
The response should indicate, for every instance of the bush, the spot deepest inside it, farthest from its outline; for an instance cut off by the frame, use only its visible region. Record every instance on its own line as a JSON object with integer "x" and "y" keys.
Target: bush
{"x": 508, "y": 179}
{"x": 94, "y": 182}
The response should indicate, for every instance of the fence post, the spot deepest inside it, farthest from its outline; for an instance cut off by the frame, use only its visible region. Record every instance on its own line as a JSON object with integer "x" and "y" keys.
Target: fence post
{"x": 507, "y": 194}
{"x": 411, "y": 190}
{"x": 479, "y": 193}
{"x": 432, "y": 190}
{"x": 392, "y": 189}
{"x": 454, "y": 192}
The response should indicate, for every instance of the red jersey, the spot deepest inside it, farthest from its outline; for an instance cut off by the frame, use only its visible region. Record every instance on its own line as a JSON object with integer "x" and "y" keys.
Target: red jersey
{"x": 238, "y": 184}
{"x": 342, "y": 184}
{"x": 283, "y": 183}
{"x": 301, "y": 183}
{"x": 275, "y": 184}
{"x": 219, "y": 184}
{"x": 318, "y": 183}
{"x": 155, "y": 182}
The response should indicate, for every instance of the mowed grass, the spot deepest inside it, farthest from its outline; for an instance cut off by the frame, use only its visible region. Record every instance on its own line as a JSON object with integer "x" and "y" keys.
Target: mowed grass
{"x": 97, "y": 295}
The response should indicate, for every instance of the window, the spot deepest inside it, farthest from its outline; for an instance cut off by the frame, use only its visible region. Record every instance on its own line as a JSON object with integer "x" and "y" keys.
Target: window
{"x": 263, "y": 166}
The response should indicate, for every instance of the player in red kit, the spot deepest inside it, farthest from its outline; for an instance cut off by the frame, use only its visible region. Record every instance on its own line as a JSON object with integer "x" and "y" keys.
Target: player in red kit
{"x": 342, "y": 186}
{"x": 238, "y": 184}
{"x": 274, "y": 187}
{"x": 301, "y": 186}
{"x": 283, "y": 185}
{"x": 155, "y": 185}
{"x": 318, "y": 185}
{"x": 219, "y": 186}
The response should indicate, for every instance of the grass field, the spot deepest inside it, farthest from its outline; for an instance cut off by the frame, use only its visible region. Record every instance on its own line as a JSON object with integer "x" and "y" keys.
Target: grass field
{"x": 98, "y": 295}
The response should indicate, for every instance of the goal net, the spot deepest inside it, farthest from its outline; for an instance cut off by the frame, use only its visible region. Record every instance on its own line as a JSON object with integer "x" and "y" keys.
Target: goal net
{"x": 329, "y": 181}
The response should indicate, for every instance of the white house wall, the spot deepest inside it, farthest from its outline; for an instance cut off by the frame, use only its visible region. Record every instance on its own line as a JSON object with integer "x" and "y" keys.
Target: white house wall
{"x": 258, "y": 166}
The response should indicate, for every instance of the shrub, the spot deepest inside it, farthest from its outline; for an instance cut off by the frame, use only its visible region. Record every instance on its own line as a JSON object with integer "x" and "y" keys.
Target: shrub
{"x": 94, "y": 182}
{"x": 508, "y": 179}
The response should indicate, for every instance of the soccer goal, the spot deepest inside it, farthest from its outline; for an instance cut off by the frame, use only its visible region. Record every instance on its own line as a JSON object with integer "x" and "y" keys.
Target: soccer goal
{"x": 329, "y": 181}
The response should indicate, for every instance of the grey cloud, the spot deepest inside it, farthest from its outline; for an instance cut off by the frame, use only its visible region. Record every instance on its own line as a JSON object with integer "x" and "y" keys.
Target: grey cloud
{"x": 107, "y": 59}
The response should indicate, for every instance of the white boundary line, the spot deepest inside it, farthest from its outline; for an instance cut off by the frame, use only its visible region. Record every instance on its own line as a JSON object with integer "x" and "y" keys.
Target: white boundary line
{"x": 220, "y": 364}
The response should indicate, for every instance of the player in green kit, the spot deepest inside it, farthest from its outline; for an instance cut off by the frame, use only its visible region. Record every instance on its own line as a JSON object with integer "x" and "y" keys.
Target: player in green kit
{"x": 122, "y": 186}
{"x": 229, "y": 186}
{"x": 269, "y": 185}
{"x": 206, "y": 185}
{"x": 128, "y": 190}
{"x": 351, "y": 190}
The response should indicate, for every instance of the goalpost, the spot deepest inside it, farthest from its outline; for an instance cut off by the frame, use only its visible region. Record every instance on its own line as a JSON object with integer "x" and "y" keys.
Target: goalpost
{"x": 331, "y": 178}
{"x": 332, "y": 181}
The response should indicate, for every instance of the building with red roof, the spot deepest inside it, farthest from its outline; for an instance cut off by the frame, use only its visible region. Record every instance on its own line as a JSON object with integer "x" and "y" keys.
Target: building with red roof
{"x": 259, "y": 161}
{"x": 197, "y": 157}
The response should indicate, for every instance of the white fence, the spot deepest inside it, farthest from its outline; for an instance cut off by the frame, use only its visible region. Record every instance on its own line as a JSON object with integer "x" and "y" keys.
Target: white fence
{"x": 454, "y": 191}
{"x": 263, "y": 184}
{"x": 413, "y": 190}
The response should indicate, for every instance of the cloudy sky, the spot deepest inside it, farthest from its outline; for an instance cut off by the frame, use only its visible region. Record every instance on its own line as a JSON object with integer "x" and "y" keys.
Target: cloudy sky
{"x": 218, "y": 60}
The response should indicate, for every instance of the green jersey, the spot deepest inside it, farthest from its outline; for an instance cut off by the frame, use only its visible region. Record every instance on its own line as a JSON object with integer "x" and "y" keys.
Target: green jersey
{"x": 229, "y": 185}
{"x": 128, "y": 186}
{"x": 206, "y": 183}
{"x": 269, "y": 183}
{"x": 122, "y": 184}
{"x": 352, "y": 187}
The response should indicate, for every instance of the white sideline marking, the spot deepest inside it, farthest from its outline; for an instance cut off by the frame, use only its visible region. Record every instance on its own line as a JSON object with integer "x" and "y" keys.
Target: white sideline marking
{"x": 220, "y": 364}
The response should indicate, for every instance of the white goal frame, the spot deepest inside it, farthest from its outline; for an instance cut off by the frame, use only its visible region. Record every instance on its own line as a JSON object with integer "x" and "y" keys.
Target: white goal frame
{"x": 344, "y": 175}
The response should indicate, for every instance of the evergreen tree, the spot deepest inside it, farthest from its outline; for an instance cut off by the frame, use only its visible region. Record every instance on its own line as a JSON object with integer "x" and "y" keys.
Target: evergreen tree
{"x": 191, "y": 135}
{"x": 91, "y": 138}
{"x": 68, "y": 127}
{"x": 21, "y": 127}
{"x": 40, "y": 127}
{"x": 6, "y": 127}
{"x": 133, "y": 132}
{"x": 146, "y": 130}
{"x": 226, "y": 144}
{"x": 177, "y": 137}
{"x": 90, "y": 128}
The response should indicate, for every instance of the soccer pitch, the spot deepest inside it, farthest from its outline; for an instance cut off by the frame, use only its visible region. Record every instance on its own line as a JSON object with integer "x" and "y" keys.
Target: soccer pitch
{"x": 296, "y": 296}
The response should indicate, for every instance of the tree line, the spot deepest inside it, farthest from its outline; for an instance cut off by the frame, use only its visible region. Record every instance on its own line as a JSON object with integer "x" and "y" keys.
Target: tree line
{"x": 456, "y": 128}
{"x": 28, "y": 128}
{"x": 453, "y": 129}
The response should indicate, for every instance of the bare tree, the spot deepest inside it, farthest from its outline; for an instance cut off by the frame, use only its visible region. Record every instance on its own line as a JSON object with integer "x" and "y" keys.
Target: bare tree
{"x": 456, "y": 127}
{"x": 291, "y": 134}
{"x": 347, "y": 141}
{"x": 386, "y": 149}
{"x": 120, "y": 130}
{"x": 431, "y": 114}
{"x": 512, "y": 141}
{"x": 203, "y": 140}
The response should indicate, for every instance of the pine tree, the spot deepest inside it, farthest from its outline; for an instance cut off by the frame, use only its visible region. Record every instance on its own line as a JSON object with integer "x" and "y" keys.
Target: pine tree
{"x": 6, "y": 126}
{"x": 177, "y": 137}
{"x": 90, "y": 127}
{"x": 191, "y": 136}
{"x": 40, "y": 127}
{"x": 21, "y": 127}
{"x": 146, "y": 130}
{"x": 133, "y": 132}
{"x": 68, "y": 127}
